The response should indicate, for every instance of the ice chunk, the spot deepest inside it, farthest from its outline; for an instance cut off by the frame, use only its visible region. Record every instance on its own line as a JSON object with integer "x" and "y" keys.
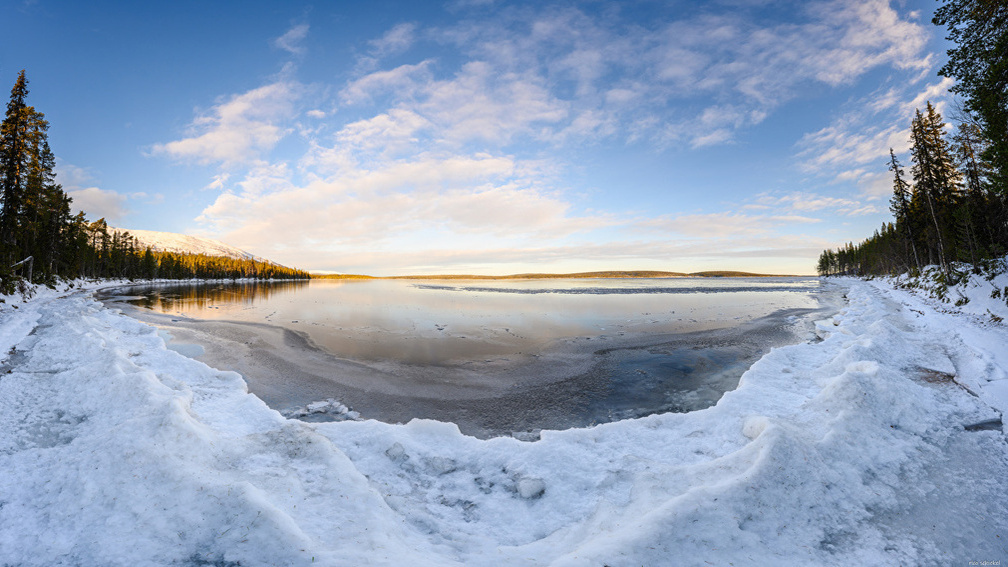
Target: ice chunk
{"x": 442, "y": 465}
{"x": 396, "y": 452}
{"x": 754, "y": 426}
{"x": 529, "y": 488}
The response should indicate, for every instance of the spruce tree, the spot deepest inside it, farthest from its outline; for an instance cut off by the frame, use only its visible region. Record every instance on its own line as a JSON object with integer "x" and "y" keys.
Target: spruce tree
{"x": 925, "y": 181}
{"x": 900, "y": 205}
{"x": 936, "y": 179}
{"x": 14, "y": 133}
{"x": 979, "y": 64}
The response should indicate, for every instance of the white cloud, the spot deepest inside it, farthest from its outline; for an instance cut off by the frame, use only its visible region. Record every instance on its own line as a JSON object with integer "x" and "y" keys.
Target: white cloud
{"x": 292, "y": 40}
{"x": 72, "y": 177}
{"x": 149, "y": 198}
{"x": 402, "y": 81}
{"x": 395, "y": 41}
{"x": 936, "y": 93}
{"x": 390, "y": 132}
{"x": 477, "y": 198}
{"x": 762, "y": 255}
{"x": 434, "y": 154}
{"x": 724, "y": 225}
{"x": 855, "y": 147}
{"x": 238, "y": 129}
{"x": 218, "y": 183}
{"x": 812, "y": 202}
{"x": 479, "y": 104}
{"x": 99, "y": 203}
{"x": 704, "y": 64}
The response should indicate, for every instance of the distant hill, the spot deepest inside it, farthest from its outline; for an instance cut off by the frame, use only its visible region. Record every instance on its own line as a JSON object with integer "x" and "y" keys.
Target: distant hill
{"x": 185, "y": 244}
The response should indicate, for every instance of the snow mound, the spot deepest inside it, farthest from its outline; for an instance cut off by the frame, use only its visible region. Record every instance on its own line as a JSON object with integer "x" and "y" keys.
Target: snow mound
{"x": 842, "y": 451}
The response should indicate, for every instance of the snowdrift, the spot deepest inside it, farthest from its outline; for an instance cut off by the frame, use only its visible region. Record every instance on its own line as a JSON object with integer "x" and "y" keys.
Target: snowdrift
{"x": 876, "y": 444}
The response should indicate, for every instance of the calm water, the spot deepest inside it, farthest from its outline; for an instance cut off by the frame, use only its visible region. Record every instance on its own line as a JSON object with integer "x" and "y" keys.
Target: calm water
{"x": 494, "y": 356}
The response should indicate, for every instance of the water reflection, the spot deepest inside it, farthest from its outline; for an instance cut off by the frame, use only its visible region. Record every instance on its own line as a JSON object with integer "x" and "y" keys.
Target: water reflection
{"x": 431, "y": 323}
{"x": 492, "y": 357}
{"x": 194, "y": 298}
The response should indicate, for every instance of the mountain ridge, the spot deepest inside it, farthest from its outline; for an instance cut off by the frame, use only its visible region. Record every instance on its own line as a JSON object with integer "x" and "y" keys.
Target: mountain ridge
{"x": 186, "y": 244}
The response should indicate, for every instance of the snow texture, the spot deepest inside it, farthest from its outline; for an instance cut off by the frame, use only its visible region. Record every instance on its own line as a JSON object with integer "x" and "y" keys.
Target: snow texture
{"x": 851, "y": 449}
{"x": 185, "y": 244}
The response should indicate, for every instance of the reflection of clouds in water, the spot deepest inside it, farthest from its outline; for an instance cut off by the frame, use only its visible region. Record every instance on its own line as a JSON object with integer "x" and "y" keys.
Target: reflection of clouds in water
{"x": 395, "y": 350}
{"x": 436, "y": 322}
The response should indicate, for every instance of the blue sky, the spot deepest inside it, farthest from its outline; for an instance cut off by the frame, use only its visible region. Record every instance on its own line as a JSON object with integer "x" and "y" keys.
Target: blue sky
{"x": 484, "y": 137}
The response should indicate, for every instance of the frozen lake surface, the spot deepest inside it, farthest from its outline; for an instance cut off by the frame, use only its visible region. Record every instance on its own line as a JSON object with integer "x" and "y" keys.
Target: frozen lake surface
{"x": 494, "y": 356}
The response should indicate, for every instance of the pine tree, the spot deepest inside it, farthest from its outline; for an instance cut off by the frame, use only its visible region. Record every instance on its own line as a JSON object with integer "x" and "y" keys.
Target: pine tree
{"x": 900, "y": 204}
{"x": 14, "y": 133}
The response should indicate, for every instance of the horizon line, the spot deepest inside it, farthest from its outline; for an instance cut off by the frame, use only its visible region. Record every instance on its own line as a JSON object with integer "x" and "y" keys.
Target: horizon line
{"x": 613, "y": 274}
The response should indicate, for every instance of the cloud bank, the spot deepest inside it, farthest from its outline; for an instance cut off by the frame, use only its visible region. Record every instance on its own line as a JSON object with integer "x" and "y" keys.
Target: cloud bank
{"x": 451, "y": 142}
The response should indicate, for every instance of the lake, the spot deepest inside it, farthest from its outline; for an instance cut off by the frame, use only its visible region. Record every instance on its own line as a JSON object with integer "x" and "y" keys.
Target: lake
{"x": 494, "y": 356}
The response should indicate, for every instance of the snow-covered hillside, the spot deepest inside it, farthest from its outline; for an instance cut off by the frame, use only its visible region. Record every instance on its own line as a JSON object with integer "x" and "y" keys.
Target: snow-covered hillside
{"x": 877, "y": 444}
{"x": 185, "y": 244}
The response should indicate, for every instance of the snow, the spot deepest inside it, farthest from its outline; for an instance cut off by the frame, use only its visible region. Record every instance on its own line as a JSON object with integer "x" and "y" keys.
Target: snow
{"x": 850, "y": 449}
{"x": 981, "y": 344}
{"x": 185, "y": 244}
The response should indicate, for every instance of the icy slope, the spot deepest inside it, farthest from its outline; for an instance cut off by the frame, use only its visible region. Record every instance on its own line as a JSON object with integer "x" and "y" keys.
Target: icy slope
{"x": 851, "y": 450}
{"x": 185, "y": 244}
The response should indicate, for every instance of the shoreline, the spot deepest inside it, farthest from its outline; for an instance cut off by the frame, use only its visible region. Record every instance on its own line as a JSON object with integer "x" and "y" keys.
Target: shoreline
{"x": 578, "y": 381}
{"x": 859, "y": 447}
{"x": 611, "y": 274}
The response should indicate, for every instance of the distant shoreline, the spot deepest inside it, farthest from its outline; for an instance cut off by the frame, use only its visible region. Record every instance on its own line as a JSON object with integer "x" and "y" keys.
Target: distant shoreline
{"x": 576, "y": 275}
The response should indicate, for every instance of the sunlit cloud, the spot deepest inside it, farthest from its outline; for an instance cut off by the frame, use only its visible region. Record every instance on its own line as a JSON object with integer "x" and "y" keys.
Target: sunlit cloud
{"x": 390, "y": 132}
{"x": 789, "y": 254}
{"x": 456, "y": 135}
{"x": 99, "y": 203}
{"x": 71, "y": 176}
{"x": 454, "y": 195}
{"x": 239, "y": 129}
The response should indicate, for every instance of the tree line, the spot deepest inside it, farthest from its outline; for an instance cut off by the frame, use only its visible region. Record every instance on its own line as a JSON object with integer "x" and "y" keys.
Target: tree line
{"x": 952, "y": 209}
{"x": 40, "y": 240}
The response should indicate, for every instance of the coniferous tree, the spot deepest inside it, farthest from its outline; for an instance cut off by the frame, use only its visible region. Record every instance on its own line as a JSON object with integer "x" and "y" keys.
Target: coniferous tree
{"x": 936, "y": 179}
{"x": 979, "y": 63}
{"x": 14, "y": 132}
{"x": 35, "y": 220}
{"x": 900, "y": 206}
{"x": 958, "y": 206}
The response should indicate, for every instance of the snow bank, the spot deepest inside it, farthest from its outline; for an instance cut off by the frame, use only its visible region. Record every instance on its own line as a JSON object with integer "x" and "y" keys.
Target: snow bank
{"x": 972, "y": 316}
{"x": 852, "y": 449}
{"x": 983, "y": 295}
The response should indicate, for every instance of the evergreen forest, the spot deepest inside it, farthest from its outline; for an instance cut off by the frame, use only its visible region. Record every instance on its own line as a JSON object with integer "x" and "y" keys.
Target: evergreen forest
{"x": 41, "y": 241}
{"x": 951, "y": 210}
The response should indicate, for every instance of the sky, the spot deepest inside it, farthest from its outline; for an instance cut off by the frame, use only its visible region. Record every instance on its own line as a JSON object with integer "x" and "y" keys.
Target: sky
{"x": 482, "y": 136}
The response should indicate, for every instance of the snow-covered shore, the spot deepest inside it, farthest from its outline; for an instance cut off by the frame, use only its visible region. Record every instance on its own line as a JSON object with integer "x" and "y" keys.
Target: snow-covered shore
{"x": 879, "y": 444}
